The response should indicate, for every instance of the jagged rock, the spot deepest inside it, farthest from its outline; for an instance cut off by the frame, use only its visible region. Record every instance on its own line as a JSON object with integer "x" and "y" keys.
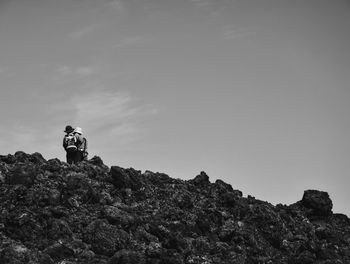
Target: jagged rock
{"x": 37, "y": 158}
{"x": 224, "y": 186}
{"x": 53, "y": 165}
{"x": 318, "y": 201}
{"x": 59, "y": 251}
{"x": 184, "y": 200}
{"x": 23, "y": 174}
{"x": 125, "y": 178}
{"x": 52, "y": 212}
{"x": 60, "y": 229}
{"x": 22, "y": 156}
{"x": 201, "y": 179}
{"x": 127, "y": 257}
{"x": 15, "y": 253}
{"x": 118, "y": 217}
{"x": 8, "y": 159}
{"x": 158, "y": 178}
{"x": 229, "y": 199}
{"x": 104, "y": 238}
{"x": 96, "y": 160}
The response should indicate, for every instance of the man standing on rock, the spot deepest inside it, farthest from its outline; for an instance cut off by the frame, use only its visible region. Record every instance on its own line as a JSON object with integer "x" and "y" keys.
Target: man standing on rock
{"x": 69, "y": 144}
{"x": 81, "y": 145}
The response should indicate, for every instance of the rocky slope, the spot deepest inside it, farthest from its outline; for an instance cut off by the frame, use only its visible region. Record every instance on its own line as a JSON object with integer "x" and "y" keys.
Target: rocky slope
{"x": 52, "y": 212}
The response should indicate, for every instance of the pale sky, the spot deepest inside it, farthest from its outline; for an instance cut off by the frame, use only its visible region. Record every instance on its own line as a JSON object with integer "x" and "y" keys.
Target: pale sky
{"x": 255, "y": 93}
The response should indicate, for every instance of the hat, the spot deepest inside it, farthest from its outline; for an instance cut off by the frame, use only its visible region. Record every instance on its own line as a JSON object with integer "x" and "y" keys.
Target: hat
{"x": 68, "y": 129}
{"x": 78, "y": 130}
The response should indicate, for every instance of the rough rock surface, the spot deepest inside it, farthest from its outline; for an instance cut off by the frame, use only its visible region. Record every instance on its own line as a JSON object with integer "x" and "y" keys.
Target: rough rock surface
{"x": 52, "y": 212}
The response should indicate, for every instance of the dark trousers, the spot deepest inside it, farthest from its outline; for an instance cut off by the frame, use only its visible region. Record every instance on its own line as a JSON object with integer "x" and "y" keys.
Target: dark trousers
{"x": 74, "y": 157}
{"x": 79, "y": 156}
{"x": 71, "y": 157}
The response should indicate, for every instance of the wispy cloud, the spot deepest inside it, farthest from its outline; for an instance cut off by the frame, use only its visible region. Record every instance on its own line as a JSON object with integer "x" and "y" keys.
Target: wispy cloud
{"x": 65, "y": 70}
{"x": 78, "y": 71}
{"x": 128, "y": 41}
{"x": 111, "y": 120}
{"x": 201, "y": 3}
{"x": 85, "y": 71}
{"x": 83, "y": 31}
{"x": 108, "y": 13}
{"x": 234, "y": 32}
{"x": 117, "y": 5}
{"x": 111, "y": 114}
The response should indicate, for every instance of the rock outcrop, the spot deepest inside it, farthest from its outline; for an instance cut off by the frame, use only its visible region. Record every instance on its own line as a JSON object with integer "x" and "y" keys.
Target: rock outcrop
{"x": 52, "y": 212}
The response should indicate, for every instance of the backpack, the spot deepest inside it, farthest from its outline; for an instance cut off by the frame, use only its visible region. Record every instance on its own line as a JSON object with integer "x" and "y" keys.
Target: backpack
{"x": 70, "y": 143}
{"x": 83, "y": 147}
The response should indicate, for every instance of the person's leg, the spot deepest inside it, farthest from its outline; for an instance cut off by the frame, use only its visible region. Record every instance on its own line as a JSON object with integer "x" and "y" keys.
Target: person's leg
{"x": 70, "y": 157}
{"x": 81, "y": 156}
{"x": 77, "y": 157}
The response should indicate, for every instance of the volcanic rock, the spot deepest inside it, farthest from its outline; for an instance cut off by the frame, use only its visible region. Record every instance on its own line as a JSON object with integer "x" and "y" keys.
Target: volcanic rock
{"x": 319, "y": 202}
{"x": 53, "y": 212}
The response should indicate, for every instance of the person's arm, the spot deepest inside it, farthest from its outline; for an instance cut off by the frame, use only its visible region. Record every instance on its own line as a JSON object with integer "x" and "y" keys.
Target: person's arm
{"x": 85, "y": 153}
{"x": 78, "y": 140}
{"x": 64, "y": 142}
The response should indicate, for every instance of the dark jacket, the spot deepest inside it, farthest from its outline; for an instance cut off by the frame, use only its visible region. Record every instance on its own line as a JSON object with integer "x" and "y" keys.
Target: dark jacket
{"x": 64, "y": 143}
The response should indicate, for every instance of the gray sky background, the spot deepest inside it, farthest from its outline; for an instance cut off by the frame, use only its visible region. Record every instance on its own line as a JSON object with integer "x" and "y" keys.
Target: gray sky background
{"x": 253, "y": 92}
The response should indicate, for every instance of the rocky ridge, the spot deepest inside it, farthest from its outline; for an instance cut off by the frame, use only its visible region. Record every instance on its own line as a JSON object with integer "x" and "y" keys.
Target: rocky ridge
{"x": 53, "y": 212}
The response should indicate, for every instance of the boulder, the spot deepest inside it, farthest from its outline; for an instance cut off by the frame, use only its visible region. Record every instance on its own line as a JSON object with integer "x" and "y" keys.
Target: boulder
{"x": 223, "y": 186}
{"x": 104, "y": 238}
{"x": 96, "y": 160}
{"x": 318, "y": 201}
{"x": 59, "y": 251}
{"x": 23, "y": 174}
{"x": 127, "y": 257}
{"x": 125, "y": 178}
{"x": 118, "y": 217}
{"x": 200, "y": 180}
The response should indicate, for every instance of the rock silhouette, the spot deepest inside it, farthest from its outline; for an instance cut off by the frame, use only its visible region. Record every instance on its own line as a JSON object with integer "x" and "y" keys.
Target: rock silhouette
{"x": 52, "y": 212}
